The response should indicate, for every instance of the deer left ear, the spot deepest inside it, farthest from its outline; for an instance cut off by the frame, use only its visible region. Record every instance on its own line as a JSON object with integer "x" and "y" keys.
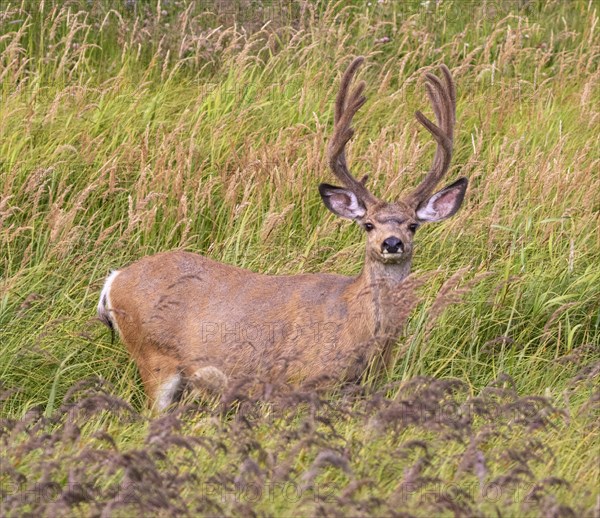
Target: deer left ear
{"x": 342, "y": 202}
{"x": 444, "y": 203}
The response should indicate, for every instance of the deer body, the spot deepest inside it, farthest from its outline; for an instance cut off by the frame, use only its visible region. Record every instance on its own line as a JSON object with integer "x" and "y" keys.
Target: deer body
{"x": 187, "y": 319}
{"x": 180, "y": 312}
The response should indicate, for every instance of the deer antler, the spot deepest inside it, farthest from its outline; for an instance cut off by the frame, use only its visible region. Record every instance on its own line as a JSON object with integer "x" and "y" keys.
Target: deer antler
{"x": 443, "y": 101}
{"x": 346, "y": 107}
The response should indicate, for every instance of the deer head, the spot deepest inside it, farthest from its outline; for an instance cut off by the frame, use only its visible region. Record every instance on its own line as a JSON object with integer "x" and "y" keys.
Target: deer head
{"x": 391, "y": 226}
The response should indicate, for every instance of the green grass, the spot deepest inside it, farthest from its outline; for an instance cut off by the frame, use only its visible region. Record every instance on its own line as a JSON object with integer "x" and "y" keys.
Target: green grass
{"x": 130, "y": 131}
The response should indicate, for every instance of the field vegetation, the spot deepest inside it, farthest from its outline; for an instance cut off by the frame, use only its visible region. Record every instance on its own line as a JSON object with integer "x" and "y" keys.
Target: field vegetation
{"x": 128, "y": 128}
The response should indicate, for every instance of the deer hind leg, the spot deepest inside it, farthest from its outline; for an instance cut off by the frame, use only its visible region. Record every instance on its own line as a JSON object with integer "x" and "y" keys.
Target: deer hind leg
{"x": 162, "y": 379}
{"x": 208, "y": 380}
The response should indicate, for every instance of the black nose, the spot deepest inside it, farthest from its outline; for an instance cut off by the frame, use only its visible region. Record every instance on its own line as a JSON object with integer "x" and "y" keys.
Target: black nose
{"x": 392, "y": 245}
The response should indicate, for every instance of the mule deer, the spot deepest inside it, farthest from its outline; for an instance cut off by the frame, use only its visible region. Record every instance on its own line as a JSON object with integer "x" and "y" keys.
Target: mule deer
{"x": 187, "y": 319}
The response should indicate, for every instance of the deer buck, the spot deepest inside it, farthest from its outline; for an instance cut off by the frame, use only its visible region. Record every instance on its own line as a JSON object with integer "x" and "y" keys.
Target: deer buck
{"x": 190, "y": 321}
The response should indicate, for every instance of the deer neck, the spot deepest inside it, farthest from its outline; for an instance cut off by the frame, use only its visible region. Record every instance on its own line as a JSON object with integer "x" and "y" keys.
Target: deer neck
{"x": 383, "y": 278}
{"x": 379, "y": 290}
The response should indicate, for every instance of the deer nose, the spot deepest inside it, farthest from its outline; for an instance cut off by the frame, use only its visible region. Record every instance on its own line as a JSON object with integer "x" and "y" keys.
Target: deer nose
{"x": 392, "y": 245}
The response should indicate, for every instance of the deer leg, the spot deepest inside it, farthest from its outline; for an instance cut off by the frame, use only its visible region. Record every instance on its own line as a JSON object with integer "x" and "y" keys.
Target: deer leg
{"x": 208, "y": 380}
{"x": 162, "y": 380}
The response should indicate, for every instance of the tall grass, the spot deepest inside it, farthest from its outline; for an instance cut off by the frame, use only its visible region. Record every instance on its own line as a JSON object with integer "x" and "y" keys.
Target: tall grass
{"x": 132, "y": 128}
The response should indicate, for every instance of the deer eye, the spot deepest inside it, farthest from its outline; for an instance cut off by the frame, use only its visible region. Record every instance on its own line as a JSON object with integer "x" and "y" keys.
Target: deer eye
{"x": 369, "y": 227}
{"x": 413, "y": 227}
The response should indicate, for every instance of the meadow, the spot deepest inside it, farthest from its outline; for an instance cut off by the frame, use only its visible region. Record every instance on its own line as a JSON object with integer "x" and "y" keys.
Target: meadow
{"x": 135, "y": 127}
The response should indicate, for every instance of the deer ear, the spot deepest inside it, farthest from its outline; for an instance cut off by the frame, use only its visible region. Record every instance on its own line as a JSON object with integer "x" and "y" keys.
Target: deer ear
{"x": 342, "y": 202}
{"x": 444, "y": 203}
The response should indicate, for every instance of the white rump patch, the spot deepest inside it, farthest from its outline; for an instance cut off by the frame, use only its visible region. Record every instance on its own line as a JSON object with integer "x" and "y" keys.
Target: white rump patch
{"x": 104, "y": 304}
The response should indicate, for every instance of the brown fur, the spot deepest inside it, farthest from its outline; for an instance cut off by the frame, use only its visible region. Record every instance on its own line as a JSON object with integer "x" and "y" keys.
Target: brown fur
{"x": 178, "y": 311}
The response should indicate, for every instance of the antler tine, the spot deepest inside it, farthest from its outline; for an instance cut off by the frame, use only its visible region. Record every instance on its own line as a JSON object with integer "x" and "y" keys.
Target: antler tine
{"x": 340, "y": 100}
{"x": 346, "y": 106}
{"x": 442, "y": 96}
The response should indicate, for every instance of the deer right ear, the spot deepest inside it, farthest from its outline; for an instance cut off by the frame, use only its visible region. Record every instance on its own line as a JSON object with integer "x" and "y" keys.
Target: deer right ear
{"x": 342, "y": 202}
{"x": 444, "y": 203}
